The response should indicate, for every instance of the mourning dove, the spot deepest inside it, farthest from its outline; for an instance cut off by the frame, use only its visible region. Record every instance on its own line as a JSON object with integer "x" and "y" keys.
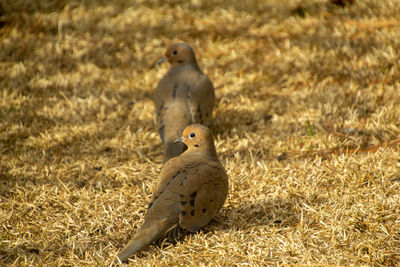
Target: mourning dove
{"x": 192, "y": 188}
{"x": 183, "y": 96}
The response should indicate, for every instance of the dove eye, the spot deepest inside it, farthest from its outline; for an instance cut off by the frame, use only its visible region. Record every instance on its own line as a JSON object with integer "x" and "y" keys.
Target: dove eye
{"x": 175, "y": 52}
{"x": 192, "y": 135}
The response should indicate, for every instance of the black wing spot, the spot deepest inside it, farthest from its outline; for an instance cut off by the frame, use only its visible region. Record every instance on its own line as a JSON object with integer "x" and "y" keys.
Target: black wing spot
{"x": 183, "y": 203}
{"x": 161, "y": 132}
{"x": 192, "y": 212}
{"x": 174, "y": 92}
{"x": 196, "y": 145}
{"x": 160, "y": 109}
{"x": 194, "y": 194}
{"x": 156, "y": 197}
{"x": 184, "y": 178}
{"x": 188, "y": 92}
{"x": 191, "y": 202}
{"x": 176, "y": 174}
{"x": 200, "y": 115}
{"x": 183, "y": 213}
{"x": 151, "y": 204}
{"x": 204, "y": 210}
{"x": 211, "y": 200}
{"x": 181, "y": 195}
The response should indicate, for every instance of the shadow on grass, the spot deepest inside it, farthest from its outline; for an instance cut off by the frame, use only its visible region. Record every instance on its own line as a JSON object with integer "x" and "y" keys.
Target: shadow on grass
{"x": 275, "y": 213}
{"x": 278, "y": 213}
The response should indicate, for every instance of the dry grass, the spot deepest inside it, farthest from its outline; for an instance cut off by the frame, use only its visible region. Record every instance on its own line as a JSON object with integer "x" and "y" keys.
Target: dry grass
{"x": 310, "y": 83}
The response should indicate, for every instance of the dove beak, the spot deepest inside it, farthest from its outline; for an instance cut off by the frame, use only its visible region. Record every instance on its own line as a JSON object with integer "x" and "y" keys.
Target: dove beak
{"x": 180, "y": 139}
{"x": 159, "y": 62}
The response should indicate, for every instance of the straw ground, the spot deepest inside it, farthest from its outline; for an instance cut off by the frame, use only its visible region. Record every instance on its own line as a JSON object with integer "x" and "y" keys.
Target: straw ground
{"x": 307, "y": 124}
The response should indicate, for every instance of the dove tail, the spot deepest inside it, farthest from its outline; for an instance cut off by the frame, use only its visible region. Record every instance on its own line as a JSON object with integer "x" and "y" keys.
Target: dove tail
{"x": 145, "y": 236}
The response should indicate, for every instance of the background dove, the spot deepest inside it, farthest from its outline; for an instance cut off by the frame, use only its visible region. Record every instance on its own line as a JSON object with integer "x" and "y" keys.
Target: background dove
{"x": 182, "y": 97}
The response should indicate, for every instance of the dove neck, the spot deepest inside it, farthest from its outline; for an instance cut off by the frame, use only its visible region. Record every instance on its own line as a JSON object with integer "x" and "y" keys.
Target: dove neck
{"x": 185, "y": 65}
{"x": 188, "y": 61}
{"x": 206, "y": 148}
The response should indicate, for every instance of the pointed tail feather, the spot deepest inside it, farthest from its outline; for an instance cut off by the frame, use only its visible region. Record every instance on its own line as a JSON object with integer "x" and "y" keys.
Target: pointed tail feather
{"x": 146, "y": 235}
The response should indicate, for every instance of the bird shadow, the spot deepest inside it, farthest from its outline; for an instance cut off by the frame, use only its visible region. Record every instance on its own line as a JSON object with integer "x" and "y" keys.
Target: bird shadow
{"x": 247, "y": 215}
{"x": 274, "y": 213}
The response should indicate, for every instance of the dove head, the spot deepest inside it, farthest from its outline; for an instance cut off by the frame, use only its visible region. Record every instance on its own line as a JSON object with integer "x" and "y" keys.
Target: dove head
{"x": 198, "y": 137}
{"x": 179, "y": 54}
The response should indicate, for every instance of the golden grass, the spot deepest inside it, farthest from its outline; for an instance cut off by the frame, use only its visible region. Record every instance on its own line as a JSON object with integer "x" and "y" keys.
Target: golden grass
{"x": 80, "y": 154}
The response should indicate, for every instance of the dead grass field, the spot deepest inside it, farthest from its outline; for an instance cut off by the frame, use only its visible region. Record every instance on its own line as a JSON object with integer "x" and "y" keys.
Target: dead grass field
{"x": 307, "y": 124}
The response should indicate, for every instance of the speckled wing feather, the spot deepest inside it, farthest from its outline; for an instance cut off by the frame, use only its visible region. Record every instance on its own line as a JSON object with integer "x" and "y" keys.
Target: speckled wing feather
{"x": 198, "y": 188}
{"x": 172, "y": 114}
{"x": 202, "y": 194}
{"x": 201, "y": 99}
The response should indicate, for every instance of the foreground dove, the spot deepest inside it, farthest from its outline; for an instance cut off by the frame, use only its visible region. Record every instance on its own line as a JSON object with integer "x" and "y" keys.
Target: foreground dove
{"x": 182, "y": 97}
{"x": 192, "y": 188}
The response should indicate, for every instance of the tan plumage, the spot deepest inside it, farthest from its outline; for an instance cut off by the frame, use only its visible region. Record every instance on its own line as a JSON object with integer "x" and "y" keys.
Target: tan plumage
{"x": 192, "y": 188}
{"x": 182, "y": 97}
